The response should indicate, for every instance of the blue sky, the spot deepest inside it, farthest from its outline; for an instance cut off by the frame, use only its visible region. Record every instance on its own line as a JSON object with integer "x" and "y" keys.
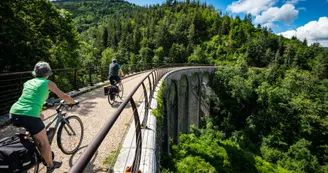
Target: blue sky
{"x": 302, "y": 18}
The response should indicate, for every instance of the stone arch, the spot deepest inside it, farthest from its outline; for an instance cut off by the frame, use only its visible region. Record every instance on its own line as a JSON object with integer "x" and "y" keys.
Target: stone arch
{"x": 206, "y": 78}
{"x": 204, "y": 99}
{"x": 194, "y": 100}
{"x": 173, "y": 113}
{"x": 183, "y": 119}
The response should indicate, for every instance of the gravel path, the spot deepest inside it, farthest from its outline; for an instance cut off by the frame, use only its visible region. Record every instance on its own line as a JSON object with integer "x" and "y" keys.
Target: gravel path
{"x": 94, "y": 112}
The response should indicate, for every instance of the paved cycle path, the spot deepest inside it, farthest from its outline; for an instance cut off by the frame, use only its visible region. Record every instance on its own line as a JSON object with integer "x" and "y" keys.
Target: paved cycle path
{"x": 94, "y": 111}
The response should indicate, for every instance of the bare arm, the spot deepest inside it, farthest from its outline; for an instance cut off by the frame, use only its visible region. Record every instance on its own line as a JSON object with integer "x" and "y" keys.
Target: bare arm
{"x": 121, "y": 71}
{"x": 41, "y": 116}
{"x": 53, "y": 87}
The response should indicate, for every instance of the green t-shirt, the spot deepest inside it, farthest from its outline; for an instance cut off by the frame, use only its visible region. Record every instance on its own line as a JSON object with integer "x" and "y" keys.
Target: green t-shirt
{"x": 34, "y": 95}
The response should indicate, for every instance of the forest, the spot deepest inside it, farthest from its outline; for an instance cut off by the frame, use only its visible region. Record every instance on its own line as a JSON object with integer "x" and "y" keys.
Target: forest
{"x": 269, "y": 105}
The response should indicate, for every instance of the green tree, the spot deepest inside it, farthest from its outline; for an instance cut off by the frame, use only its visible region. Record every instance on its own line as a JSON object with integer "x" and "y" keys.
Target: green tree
{"x": 105, "y": 38}
{"x": 159, "y": 55}
{"x": 107, "y": 56}
{"x": 146, "y": 55}
{"x": 197, "y": 56}
{"x": 33, "y": 31}
{"x": 299, "y": 158}
{"x": 178, "y": 53}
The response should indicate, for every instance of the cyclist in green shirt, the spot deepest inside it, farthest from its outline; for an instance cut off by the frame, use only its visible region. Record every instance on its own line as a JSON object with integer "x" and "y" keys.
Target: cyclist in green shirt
{"x": 26, "y": 112}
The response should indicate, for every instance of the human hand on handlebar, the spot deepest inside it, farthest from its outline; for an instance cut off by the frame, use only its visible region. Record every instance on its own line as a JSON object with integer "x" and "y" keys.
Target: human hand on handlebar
{"x": 76, "y": 102}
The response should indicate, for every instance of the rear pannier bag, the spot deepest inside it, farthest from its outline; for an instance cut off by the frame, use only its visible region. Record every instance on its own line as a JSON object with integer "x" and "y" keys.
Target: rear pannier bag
{"x": 106, "y": 89}
{"x": 16, "y": 154}
{"x": 114, "y": 89}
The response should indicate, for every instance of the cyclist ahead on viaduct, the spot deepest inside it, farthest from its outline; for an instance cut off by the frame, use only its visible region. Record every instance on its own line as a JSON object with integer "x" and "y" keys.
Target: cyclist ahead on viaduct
{"x": 114, "y": 69}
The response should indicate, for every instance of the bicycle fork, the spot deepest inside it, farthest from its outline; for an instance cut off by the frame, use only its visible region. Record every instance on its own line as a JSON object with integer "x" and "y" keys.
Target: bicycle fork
{"x": 69, "y": 126}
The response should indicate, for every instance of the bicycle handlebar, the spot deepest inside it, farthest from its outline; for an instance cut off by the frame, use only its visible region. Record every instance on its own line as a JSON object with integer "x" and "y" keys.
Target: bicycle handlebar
{"x": 61, "y": 104}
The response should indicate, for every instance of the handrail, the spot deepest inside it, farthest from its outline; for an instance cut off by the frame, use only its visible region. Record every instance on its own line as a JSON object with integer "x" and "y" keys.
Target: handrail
{"x": 155, "y": 75}
{"x": 76, "y": 68}
{"x": 153, "y": 78}
{"x": 84, "y": 159}
{"x": 68, "y": 79}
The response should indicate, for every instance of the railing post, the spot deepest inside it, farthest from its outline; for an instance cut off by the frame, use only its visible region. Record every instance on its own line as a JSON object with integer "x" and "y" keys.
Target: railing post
{"x": 144, "y": 121}
{"x": 150, "y": 86}
{"x": 152, "y": 75}
{"x": 53, "y": 76}
{"x": 90, "y": 78}
{"x": 136, "y": 162}
{"x": 75, "y": 83}
{"x": 21, "y": 83}
{"x": 126, "y": 69}
{"x": 155, "y": 73}
{"x": 101, "y": 74}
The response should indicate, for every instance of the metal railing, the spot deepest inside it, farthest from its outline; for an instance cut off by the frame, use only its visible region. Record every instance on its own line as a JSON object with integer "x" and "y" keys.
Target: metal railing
{"x": 69, "y": 79}
{"x": 152, "y": 79}
{"x": 91, "y": 75}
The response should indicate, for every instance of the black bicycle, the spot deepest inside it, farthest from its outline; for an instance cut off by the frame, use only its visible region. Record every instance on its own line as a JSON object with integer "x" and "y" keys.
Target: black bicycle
{"x": 114, "y": 91}
{"x": 69, "y": 134}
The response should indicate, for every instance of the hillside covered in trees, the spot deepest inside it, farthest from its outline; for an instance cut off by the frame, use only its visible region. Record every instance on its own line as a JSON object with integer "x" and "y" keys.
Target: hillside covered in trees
{"x": 174, "y": 32}
{"x": 268, "y": 111}
{"x": 33, "y": 30}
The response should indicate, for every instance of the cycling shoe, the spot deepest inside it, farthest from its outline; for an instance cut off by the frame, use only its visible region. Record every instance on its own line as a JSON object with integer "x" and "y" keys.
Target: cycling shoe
{"x": 55, "y": 166}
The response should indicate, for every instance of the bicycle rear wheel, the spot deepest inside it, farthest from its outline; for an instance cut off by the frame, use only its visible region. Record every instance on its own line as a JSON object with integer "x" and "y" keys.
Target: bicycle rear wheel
{"x": 120, "y": 87}
{"x": 111, "y": 98}
{"x": 70, "y": 135}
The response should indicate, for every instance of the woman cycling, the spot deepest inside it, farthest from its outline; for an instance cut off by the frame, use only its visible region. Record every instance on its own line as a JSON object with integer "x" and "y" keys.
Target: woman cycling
{"x": 26, "y": 111}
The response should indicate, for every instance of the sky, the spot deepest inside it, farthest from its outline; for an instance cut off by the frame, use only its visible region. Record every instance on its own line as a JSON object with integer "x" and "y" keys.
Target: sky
{"x": 301, "y": 18}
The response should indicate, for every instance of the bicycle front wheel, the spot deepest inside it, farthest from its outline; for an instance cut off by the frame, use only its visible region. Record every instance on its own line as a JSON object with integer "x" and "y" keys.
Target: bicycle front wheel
{"x": 70, "y": 135}
{"x": 120, "y": 87}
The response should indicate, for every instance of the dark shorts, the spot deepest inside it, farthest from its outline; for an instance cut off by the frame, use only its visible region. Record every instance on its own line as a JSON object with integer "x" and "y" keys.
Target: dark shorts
{"x": 31, "y": 124}
{"x": 116, "y": 78}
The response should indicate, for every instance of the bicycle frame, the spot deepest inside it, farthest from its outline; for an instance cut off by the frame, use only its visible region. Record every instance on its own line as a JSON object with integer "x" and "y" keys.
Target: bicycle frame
{"x": 59, "y": 118}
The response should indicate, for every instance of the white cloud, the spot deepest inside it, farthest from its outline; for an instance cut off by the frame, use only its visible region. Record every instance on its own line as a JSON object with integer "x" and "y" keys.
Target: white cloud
{"x": 271, "y": 25}
{"x": 250, "y": 6}
{"x": 286, "y": 14}
{"x": 294, "y": 1}
{"x": 314, "y": 31}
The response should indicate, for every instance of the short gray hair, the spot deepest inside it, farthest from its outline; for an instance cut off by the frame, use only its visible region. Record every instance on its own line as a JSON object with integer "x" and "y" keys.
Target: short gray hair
{"x": 41, "y": 69}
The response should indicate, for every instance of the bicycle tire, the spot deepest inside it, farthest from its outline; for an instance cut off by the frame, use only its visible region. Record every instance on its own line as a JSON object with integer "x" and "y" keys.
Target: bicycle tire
{"x": 111, "y": 101}
{"x": 120, "y": 94}
{"x": 59, "y": 134}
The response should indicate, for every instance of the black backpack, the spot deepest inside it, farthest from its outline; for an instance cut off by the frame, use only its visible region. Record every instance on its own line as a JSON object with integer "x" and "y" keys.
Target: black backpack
{"x": 16, "y": 154}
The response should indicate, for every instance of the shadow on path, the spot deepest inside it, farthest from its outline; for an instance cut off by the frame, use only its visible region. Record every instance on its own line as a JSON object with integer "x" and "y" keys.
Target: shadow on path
{"x": 90, "y": 168}
{"x": 86, "y": 107}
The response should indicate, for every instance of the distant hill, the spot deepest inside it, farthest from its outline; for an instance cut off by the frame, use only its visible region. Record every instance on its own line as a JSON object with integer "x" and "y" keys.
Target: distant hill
{"x": 87, "y": 14}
